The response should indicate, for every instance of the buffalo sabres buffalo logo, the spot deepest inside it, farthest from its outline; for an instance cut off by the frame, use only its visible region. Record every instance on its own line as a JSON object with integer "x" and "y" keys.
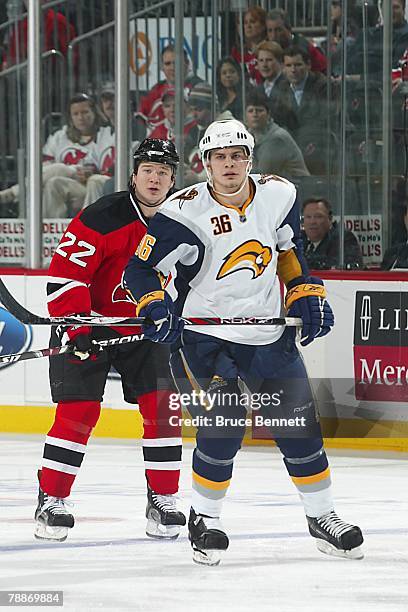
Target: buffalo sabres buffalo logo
{"x": 251, "y": 255}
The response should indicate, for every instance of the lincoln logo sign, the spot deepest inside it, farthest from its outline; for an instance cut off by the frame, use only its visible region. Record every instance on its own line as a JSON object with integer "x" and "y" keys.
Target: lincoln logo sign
{"x": 381, "y": 346}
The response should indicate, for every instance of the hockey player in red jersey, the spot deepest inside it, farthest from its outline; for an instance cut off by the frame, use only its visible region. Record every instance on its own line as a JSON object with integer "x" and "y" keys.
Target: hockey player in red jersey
{"x": 85, "y": 277}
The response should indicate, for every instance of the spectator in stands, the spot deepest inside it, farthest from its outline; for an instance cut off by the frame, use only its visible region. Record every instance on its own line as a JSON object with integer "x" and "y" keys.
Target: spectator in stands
{"x": 107, "y": 102}
{"x": 279, "y": 29}
{"x": 306, "y": 97}
{"x": 166, "y": 129}
{"x": 269, "y": 56}
{"x": 307, "y": 90}
{"x": 200, "y": 104}
{"x": 374, "y": 56}
{"x": 84, "y": 146}
{"x": 57, "y": 34}
{"x": 150, "y": 108}
{"x": 396, "y": 257}
{"x": 336, "y": 43}
{"x": 321, "y": 238}
{"x": 254, "y": 33}
{"x": 275, "y": 150}
{"x": 229, "y": 87}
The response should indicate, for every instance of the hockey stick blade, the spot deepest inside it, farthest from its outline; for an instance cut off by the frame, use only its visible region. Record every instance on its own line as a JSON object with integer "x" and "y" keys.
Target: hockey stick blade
{"x": 67, "y": 348}
{"x": 15, "y": 308}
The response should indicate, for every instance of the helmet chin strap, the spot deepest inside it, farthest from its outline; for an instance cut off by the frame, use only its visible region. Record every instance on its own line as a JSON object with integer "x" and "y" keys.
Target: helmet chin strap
{"x": 150, "y": 205}
{"x": 229, "y": 195}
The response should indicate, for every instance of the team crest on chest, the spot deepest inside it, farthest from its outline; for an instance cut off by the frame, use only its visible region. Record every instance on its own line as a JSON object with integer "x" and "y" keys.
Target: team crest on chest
{"x": 251, "y": 255}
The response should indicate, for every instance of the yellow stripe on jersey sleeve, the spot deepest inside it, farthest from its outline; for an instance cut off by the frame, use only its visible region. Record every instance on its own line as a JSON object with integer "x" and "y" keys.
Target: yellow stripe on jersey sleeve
{"x": 147, "y": 298}
{"x": 288, "y": 266}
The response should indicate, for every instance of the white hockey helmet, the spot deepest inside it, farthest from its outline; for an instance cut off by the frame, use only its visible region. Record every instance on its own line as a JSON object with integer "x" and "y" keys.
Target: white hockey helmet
{"x": 227, "y": 133}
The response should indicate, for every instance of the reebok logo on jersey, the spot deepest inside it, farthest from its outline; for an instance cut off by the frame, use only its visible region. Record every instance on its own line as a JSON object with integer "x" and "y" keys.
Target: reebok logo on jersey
{"x": 251, "y": 255}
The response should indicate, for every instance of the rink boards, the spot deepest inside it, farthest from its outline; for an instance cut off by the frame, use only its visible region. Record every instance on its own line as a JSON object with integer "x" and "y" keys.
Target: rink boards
{"x": 358, "y": 371}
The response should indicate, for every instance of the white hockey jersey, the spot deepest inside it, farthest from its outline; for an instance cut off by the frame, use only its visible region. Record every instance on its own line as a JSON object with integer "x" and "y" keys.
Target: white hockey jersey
{"x": 222, "y": 260}
{"x": 103, "y": 152}
{"x": 60, "y": 149}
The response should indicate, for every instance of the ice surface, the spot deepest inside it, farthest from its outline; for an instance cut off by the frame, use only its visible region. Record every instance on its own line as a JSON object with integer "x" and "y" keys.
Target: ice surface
{"x": 108, "y": 563}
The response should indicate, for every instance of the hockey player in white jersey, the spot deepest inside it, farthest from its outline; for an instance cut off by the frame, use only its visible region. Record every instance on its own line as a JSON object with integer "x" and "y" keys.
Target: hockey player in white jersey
{"x": 227, "y": 244}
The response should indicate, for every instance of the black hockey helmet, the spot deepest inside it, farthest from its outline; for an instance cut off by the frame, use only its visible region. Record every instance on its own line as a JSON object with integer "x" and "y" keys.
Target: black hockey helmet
{"x": 158, "y": 151}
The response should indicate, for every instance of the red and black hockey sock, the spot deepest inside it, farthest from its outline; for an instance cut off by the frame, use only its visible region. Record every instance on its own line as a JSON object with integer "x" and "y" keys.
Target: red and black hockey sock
{"x": 161, "y": 441}
{"x": 65, "y": 445}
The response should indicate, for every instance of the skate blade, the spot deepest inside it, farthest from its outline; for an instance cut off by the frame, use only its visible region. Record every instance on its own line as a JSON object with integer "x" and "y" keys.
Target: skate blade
{"x": 207, "y": 557}
{"x": 163, "y": 532}
{"x": 329, "y": 549}
{"x": 45, "y": 532}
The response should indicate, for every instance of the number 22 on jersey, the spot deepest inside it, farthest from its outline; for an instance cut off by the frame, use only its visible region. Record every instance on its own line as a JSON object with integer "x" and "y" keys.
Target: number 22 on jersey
{"x": 85, "y": 249}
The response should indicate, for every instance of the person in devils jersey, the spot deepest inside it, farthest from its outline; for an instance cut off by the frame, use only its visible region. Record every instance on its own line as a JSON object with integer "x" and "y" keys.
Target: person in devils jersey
{"x": 85, "y": 276}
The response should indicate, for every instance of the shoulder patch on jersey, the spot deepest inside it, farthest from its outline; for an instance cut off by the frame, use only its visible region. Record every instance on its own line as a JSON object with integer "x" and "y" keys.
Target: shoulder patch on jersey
{"x": 271, "y": 177}
{"x": 251, "y": 255}
{"x": 109, "y": 213}
{"x": 188, "y": 194}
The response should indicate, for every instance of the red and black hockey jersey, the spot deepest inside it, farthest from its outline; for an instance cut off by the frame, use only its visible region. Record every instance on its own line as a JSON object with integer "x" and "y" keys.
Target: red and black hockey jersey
{"x": 85, "y": 274}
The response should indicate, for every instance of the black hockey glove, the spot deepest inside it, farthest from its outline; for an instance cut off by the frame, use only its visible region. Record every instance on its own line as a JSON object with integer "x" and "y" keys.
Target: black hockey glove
{"x": 84, "y": 346}
{"x": 80, "y": 338}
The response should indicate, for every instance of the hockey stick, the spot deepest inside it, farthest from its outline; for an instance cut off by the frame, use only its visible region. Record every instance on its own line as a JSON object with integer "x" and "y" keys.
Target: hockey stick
{"x": 67, "y": 348}
{"x": 29, "y": 318}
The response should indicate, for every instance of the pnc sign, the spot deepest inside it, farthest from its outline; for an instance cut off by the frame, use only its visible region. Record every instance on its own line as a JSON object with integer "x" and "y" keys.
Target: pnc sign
{"x": 148, "y": 38}
{"x": 140, "y": 53}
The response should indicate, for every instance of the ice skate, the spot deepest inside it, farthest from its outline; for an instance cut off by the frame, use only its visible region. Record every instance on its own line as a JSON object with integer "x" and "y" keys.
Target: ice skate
{"x": 207, "y": 538}
{"x": 52, "y": 518}
{"x": 335, "y": 537}
{"x": 163, "y": 518}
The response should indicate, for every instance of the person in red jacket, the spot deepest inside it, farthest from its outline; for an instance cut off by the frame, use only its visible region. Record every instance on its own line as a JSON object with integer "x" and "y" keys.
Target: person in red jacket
{"x": 166, "y": 129}
{"x": 150, "y": 110}
{"x": 57, "y": 34}
{"x": 254, "y": 33}
{"x": 279, "y": 29}
{"x": 85, "y": 276}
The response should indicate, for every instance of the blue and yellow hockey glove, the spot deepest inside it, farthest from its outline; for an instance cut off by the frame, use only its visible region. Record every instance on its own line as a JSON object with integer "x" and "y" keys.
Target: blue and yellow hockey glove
{"x": 306, "y": 298}
{"x": 163, "y": 325}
